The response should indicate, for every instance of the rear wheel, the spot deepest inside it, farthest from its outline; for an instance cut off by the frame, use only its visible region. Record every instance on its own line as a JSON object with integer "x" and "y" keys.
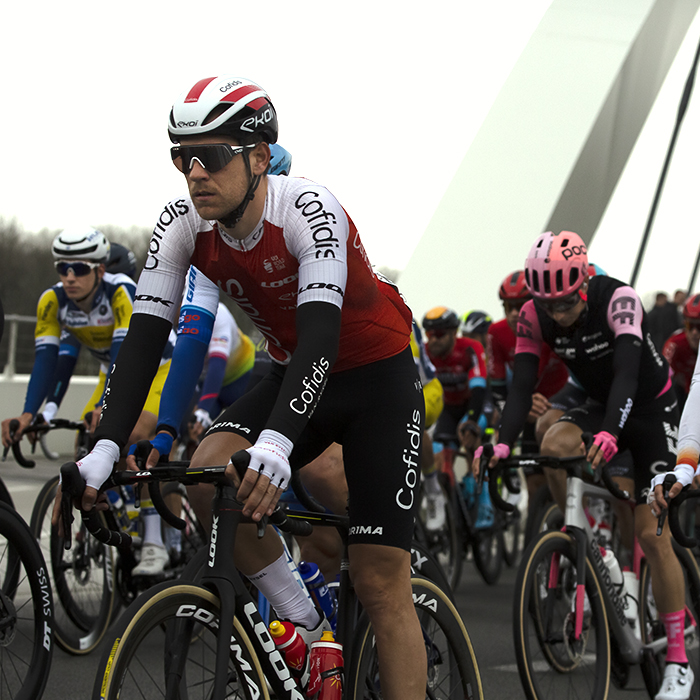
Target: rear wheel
{"x": 453, "y": 671}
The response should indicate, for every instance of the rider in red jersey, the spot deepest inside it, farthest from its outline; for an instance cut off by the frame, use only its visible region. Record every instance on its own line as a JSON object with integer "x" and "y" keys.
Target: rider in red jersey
{"x": 338, "y": 335}
{"x": 681, "y": 349}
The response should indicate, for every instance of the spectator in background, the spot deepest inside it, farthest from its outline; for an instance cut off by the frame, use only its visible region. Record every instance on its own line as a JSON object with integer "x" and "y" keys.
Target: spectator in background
{"x": 664, "y": 320}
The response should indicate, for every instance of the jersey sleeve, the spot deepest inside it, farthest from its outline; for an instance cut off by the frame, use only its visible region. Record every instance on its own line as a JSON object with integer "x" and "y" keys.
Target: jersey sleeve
{"x": 317, "y": 231}
{"x": 625, "y": 312}
{"x": 529, "y": 333}
{"x": 689, "y": 430}
{"x": 47, "y": 336}
{"x": 159, "y": 291}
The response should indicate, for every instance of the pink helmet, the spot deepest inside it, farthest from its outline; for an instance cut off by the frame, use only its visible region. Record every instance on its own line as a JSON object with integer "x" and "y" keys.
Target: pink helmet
{"x": 556, "y": 265}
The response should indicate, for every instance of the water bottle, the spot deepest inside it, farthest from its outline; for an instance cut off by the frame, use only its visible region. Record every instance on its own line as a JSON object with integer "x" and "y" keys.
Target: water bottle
{"x": 325, "y": 669}
{"x": 291, "y": 645}
{"x": 613, "y": 565}
{"x": 631, "y": 589}
{"x": 468, "y": 490}
{"x": 316, "y": 585}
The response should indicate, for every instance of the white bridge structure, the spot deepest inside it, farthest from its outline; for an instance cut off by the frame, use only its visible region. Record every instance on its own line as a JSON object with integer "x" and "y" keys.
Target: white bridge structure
{"x": 551, "y": 151}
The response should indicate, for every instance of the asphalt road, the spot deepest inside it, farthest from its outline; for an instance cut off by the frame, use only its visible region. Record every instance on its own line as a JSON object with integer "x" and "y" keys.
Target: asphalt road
{"x": 485, "y": 609}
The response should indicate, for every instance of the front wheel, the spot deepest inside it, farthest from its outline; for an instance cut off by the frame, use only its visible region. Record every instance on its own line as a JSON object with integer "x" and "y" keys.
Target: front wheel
{"x": 553, "y": 660}
{"x": 81, "y": 577}
{"x": 452, "y": 668}
{"x": 165, "y": 646}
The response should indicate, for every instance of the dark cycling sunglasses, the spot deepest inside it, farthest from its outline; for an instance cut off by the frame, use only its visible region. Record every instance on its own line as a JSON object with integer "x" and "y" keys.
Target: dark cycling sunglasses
{"x": 436, "y": 334}
{"x": 212, "y": 156}
{"x": 692, "y": 325}
{"x": 561, "y": 306}
{"x": 79, "y": 268}
{"x": 513, "y": 305}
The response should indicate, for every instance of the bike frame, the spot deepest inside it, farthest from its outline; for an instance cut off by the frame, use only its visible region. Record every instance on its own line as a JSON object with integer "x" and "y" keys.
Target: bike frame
{"x": 578, "y": 528}
{"x": 222, "y": 578}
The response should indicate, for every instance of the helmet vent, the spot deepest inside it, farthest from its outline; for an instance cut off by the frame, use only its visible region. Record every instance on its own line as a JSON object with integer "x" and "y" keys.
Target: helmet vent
{"x": 546, "y": 282}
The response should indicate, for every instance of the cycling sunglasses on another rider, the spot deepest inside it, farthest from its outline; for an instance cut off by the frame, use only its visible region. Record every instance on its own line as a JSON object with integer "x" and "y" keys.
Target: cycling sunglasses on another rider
{"x": 561, "y": 305}
{"x": 79, "y": 268}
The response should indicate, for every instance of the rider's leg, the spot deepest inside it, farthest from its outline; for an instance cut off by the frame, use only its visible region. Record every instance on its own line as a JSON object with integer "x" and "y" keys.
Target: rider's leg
{"x": 563, "y": 439}
{"x": 381, "y": 576}
{"x": 263, "y": 560}
{"x": 324, "y": 478}
{"x": 666, "y": 579}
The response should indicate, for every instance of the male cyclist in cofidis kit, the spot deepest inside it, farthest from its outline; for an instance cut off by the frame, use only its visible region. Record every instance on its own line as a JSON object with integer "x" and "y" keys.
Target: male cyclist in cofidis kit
{"x": 598, "y": 327}
{"x": 285, "y": 250}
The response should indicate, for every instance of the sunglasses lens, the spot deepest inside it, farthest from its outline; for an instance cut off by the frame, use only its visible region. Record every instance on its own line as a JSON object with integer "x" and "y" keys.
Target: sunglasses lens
{"x": 212, "y": 157}
{"x": 436, "y": 334}
{"x": 79, "y": 269}
{"x": 513, "y": 306}
{"x": 559, "y": 305}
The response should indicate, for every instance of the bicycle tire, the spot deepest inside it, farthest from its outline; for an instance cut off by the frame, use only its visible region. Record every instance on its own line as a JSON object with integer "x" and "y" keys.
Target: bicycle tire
{"x": 81, "y": 578}
{"x": 26, "y": 612}
{"x": 487, "y": 548}
{"x": 444, "y": 544}
{"x": 512, "y": 529}
{"x": 153, "y": 632}
{"x": 543, "y": 514}
{"x": 453, "y": 670}
{"x": 552, "y": 664}
{"x": 652, "y": 628}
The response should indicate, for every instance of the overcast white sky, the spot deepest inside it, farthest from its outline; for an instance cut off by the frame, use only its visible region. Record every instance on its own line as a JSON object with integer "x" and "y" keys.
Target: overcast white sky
{"x": 376, "y": 101}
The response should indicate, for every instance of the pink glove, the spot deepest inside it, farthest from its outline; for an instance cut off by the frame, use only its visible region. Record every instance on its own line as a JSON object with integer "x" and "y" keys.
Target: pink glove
{"x": 607, "y": 444}
{"x": 500, "y": 450}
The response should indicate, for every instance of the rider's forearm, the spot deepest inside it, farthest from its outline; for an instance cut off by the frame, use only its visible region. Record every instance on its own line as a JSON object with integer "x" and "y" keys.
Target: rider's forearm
{"x": 40, "y": 381}
{"x": 318, "y": 334}
{"x": 131, "y": 377}
{"x": 628, "y": 352}
{"x": 517, "y": 406}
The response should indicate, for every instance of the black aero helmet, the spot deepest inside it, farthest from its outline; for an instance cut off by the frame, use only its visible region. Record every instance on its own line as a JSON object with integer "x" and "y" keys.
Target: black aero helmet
{"x": 440, "y": 318}
{"x": 121, "y": 259}
{"x": 225, "y": 105}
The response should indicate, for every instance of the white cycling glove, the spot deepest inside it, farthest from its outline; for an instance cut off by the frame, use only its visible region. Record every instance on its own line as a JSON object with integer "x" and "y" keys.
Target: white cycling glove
{"x": 201, "y": 416}
{"x": 684, "y": 474}
{"x": 96, "y": 467}
{"x": 50, "y": 411}
{"x": 269, "y": 456}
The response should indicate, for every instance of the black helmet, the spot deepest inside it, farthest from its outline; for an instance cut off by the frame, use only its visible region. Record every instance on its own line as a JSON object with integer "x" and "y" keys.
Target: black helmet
{"x": 440, "y": 319}
{"x": 475, "y": 322}
{"x": 121, "y": 259}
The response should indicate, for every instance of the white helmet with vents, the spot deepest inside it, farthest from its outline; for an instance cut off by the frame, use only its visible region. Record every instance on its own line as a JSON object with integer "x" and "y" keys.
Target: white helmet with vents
{"x": 81, "y": 243}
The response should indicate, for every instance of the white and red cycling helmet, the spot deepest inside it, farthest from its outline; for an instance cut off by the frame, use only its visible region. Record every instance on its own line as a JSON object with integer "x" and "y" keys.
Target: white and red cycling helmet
{"x": 556, "y": 265}
{"x": 226, "y": 105}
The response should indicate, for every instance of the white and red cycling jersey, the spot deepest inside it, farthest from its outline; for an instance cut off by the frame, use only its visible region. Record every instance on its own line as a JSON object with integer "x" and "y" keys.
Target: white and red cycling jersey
{"x": 305, "y": 248}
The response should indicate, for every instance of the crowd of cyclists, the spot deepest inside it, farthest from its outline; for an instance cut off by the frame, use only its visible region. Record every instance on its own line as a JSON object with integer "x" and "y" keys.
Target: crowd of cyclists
{"x": 343, "y": 365}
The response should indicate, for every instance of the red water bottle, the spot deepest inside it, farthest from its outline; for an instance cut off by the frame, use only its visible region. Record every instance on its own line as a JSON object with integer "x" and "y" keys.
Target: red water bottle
{"x": 325, "y": 669}
{"x": 291, "y": 645}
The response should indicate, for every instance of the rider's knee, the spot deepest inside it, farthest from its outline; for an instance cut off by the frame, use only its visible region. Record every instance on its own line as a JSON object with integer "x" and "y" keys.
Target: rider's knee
{"x": 562, "y": 440}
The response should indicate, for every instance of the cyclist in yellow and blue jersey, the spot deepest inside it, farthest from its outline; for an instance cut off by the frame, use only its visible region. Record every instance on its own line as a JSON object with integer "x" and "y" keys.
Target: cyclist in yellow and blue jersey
{"x": 95, "y": 308}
